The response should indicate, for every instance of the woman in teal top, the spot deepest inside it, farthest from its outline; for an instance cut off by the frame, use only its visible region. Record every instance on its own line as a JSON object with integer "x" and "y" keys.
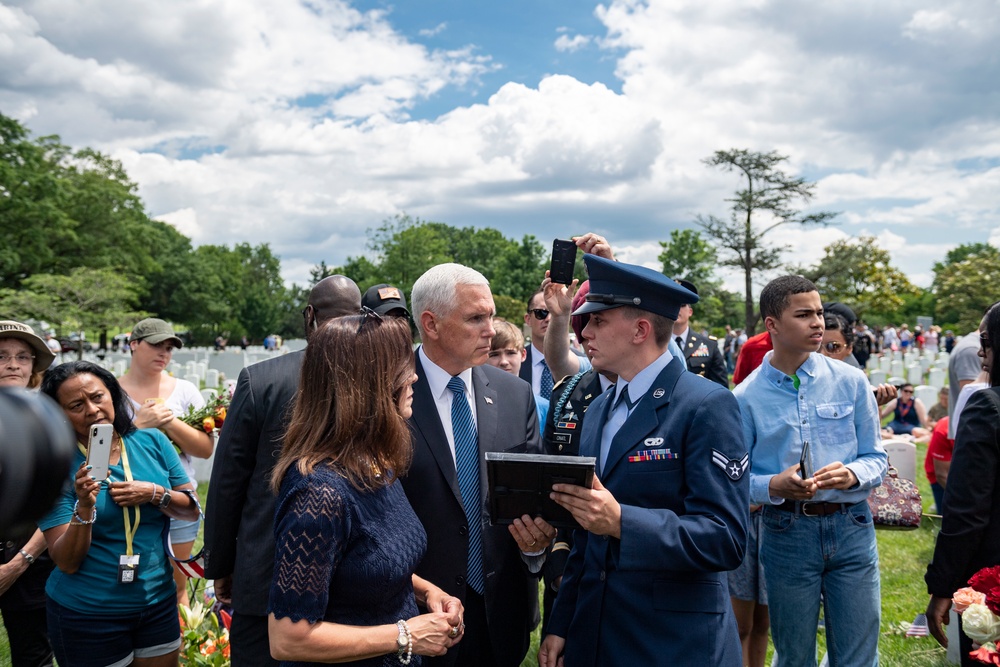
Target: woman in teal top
{"x": 112, "y": 600}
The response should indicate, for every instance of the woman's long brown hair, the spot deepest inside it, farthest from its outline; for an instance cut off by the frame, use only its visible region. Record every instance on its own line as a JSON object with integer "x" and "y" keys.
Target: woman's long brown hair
{"x": 347, "y": 406}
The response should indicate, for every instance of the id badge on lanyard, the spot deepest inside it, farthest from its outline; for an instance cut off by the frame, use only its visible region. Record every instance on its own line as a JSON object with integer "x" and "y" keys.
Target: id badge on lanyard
{"x": 128, "y": 562}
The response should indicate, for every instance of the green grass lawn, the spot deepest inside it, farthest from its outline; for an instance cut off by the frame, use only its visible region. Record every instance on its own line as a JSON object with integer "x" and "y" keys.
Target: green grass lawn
{"x": 903, "y": 558}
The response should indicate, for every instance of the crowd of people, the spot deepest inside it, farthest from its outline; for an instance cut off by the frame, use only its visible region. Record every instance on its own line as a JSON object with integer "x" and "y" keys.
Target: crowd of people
{"x": 348, "y": 521}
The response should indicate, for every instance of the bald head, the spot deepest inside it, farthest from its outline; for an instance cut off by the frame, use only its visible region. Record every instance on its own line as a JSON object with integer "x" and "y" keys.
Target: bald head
{"x": 334, "y": 296}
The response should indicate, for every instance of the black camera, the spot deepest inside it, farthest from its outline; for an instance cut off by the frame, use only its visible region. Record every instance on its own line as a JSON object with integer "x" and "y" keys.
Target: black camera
{"x": 36, "y": 452}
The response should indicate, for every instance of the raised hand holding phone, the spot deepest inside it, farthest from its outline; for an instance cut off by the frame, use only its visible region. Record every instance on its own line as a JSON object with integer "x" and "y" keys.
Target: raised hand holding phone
{"x": 99, "y": 451}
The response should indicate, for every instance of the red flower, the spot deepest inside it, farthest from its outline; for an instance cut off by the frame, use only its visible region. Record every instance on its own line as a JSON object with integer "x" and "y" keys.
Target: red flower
{"x": 986, "y": 579}
{"x": 227, "y": 619}
{"x": 993, "y": 600}
{"x": 983, "y": 654}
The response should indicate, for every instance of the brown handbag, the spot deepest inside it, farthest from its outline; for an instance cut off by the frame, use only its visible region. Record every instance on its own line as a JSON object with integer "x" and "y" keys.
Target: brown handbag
{"x": 896, "y": 503}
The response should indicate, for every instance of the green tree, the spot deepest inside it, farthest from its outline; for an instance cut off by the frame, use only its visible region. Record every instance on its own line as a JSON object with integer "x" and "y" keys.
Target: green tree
{"x": 961, "y": 284}
{"x": 32, "y": 188}
{"x": 859, "y": 273}
{"x": 764, "y": 204}
{"x": 689, "y": 256}
{"x": 84, "y": 300}
{"x": 521, "y": 269}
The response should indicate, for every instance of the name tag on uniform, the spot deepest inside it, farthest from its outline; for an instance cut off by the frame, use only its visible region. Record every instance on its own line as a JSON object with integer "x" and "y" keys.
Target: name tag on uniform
{"x": 128, "y": 567}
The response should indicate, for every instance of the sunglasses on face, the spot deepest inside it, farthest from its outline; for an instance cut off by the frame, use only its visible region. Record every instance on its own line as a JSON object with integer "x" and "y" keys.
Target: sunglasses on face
{"x": 833, "y": 346}
{"x": 539, "y": 313}
{"x": 984, "y": 341}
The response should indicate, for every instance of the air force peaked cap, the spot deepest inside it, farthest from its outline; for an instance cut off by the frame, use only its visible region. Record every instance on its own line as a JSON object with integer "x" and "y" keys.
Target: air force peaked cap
{"x": 614, "y": 284}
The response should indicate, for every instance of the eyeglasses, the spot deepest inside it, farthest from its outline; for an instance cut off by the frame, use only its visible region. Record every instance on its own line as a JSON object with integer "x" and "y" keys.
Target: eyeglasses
{"x": 539, "y": 313}
{"x": 833, "y": 346}
{"x": 22, "y": 359}
{"x": 984, "y": 341}
{"x": 367, "y": 312}
{"x": 905, "y": 391}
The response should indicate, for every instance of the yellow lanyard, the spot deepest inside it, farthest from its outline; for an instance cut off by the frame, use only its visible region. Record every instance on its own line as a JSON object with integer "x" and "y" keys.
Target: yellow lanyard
{"x": 130, "y": 528}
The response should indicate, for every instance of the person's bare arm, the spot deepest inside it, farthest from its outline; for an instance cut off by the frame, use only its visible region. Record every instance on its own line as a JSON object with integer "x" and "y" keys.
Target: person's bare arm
{"x": 559, "y": 301}
{"x": 941, "y": 469}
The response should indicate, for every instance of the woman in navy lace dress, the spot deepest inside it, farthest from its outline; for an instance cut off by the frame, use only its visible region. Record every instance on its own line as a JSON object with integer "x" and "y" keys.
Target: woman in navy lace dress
{"x": 347, "y": 540}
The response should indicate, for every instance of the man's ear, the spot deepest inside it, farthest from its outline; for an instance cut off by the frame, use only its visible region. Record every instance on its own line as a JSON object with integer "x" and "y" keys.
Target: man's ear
{"x": 428, "y": 325}
{"x": 770, "y": 324}
{"x": 524, "y": 354}
{"x": 643, "y": 330}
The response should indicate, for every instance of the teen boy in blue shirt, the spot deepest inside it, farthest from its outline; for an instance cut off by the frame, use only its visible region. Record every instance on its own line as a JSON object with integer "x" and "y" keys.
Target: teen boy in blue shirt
{"x": 818, "y": 532}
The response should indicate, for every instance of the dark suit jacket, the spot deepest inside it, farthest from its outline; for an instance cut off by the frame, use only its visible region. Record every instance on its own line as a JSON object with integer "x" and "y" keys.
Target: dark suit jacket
{"x": 525, "y": 372}
{"x": 505, "y": 420}
{"x": 970, "y": 532}
{"x": 239, "y": 515}
{"x": 659, "y": 595}
{"x": 704, "y": 358}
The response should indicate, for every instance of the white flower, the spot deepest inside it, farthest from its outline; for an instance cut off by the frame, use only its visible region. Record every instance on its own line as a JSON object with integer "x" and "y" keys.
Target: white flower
{"x": 980, "y": 624}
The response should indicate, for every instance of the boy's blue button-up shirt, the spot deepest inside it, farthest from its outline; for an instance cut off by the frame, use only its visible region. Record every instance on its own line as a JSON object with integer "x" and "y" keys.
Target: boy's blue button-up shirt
{"x": 834, "y": 410}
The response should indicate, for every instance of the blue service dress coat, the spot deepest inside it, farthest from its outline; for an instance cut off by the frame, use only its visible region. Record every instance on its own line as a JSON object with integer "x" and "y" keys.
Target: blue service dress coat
{"x": 659, "y": 596}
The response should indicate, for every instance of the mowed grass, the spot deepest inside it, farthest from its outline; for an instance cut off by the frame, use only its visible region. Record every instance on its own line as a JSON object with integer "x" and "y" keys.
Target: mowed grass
{"x": 903, "y": 558}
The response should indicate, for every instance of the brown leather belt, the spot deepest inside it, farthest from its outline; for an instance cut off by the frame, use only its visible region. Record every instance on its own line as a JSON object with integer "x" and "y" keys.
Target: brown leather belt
{"x": 812, "y": 509}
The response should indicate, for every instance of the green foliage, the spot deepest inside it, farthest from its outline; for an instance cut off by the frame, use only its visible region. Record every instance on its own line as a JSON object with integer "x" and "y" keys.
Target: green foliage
{"x": 859, "y": 273}
{"x": 962, "y": 284}
{"x": 757, "y": 209}
{"x": 403, "y": 248}
{"x": 510, "y": 309}
{"x": 85, "y": 300}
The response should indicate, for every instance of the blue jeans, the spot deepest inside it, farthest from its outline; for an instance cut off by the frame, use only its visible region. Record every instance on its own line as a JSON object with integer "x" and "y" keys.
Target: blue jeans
{"x": 837, "y": 556}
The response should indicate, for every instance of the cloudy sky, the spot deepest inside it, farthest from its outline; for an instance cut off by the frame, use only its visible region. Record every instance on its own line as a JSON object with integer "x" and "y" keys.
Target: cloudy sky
{"x": 303, "y": 123}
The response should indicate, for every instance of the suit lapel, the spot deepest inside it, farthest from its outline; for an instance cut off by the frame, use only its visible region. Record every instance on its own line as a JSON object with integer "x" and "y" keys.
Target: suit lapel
{"x": 427, "y": 424}
{"x": 486, "y": 412}
{"x": 644, "y": 418}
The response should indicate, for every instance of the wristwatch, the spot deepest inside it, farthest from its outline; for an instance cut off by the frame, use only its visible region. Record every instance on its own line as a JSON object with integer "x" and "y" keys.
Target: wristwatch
{"x": 165, "y": 500}
{"x": 401, "y": 641}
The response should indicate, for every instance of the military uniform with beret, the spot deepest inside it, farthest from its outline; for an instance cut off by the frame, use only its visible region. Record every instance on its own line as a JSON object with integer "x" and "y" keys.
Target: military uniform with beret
{"x": 677, "y": 465}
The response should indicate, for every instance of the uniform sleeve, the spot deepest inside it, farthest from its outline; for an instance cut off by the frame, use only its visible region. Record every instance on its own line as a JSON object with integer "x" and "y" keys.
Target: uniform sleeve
{"x": 311, "y": 525}
{"x": 711, "y": 534}
{"x": 565, "y": 604}
{"x": 968, "y": 498}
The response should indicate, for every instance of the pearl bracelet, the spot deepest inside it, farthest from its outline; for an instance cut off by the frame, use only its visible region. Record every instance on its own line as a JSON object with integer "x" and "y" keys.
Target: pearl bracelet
{"x": 404, "y": 628}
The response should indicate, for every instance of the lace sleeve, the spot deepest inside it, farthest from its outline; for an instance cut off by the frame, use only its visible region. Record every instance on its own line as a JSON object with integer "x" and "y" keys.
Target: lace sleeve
{"x": 311, "y": 525}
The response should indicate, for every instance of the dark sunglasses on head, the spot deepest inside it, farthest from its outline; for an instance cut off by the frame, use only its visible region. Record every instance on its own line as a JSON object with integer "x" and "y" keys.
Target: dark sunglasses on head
{"x": 833, "y": 346}
{"x": 539, "y": 313}
{"x": 367, "y": 312}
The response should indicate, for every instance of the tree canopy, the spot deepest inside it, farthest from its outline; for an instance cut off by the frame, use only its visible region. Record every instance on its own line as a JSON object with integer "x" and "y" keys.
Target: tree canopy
{"x": 765, "y": 203}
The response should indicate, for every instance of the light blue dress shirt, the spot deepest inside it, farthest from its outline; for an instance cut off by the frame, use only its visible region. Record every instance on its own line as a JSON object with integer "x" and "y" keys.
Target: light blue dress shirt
{"x": 834, "y": 410}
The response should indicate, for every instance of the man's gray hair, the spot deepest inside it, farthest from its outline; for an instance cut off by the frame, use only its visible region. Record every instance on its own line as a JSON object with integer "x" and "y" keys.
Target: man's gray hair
{"x": 434, "y": 291}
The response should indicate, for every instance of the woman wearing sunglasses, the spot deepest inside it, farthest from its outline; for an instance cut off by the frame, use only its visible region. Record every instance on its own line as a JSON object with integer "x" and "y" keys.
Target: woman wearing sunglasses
{"x": 838, "y": 343}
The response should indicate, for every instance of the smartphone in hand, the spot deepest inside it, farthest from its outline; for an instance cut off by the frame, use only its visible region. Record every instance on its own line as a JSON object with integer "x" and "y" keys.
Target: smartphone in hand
{"x": 99, "y": 450}
{"x": 805, "y": 468}
{"x": 563, "y": 262}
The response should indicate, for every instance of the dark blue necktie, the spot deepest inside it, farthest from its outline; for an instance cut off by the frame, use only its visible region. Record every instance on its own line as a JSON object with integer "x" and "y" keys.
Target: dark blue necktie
{"x": 467, "y": 466}
{"x": 545, "y": 386}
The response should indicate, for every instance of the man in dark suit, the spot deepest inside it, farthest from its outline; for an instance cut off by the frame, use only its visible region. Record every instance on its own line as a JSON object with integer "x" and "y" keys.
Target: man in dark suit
{"x": 702, "y": 353}
{"x": 538, "y": 368}
{"x": 492, "y": 569}
{"x": 239, "y": 519}
{"x": 667, "y": 515}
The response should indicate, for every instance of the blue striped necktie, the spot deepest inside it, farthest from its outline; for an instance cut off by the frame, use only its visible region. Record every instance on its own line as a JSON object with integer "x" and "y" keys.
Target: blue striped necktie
{"x": 545, "y": 386}
{"x": 467, "y": 466}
